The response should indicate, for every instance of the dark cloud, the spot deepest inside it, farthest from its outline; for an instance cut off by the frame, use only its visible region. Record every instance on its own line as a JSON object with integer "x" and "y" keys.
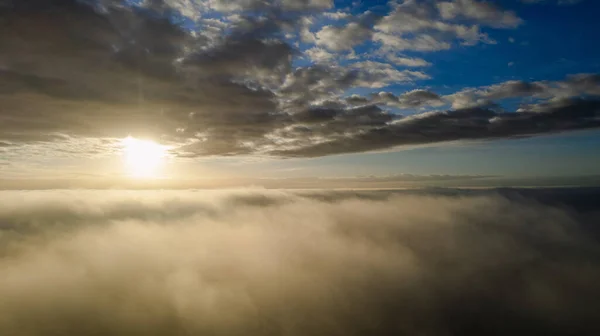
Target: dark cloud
{"x": 418, "y": 98}
{"x": 580, "y": 85}
{"x": 480, "y": 11}
{"x": 462, "y": 124}
{"x": 312, "y": 263}
{"x": 588, "y": 84}
{"x": 344, "y": 118}
{"x": 559, "y": 2}
{"x": 515, "y": 89}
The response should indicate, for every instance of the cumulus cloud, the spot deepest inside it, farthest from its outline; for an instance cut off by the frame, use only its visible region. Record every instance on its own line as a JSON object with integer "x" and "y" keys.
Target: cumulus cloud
{"x": 258, "y": 262}
{"x": 343, "y": 38}
{"x": 320, "y": 55}
{"x": 349, "y": 35}
{"x": 435, "y": 23}
{"x": 420, "y": 26}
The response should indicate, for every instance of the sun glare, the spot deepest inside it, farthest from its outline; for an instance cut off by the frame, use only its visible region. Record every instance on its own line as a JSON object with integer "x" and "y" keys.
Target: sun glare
{"x": 143, "y": 158}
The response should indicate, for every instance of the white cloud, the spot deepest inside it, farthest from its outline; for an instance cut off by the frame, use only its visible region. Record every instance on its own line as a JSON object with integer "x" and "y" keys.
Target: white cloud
{"x": 407, "y": 61}
{"x": 343, "y": 37}
{"x": 336, "y": 15}
{"x": 376, "y": 74}
{"x": 319, "y": 55}
{"x": 306, "y": 35}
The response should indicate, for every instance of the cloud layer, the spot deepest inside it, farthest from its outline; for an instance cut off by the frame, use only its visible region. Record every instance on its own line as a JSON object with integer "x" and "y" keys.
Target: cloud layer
{"x": 272, "y": 263}
{"x": 232, "y": 78}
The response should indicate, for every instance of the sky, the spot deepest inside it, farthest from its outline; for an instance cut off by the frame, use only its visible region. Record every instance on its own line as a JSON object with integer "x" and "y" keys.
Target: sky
{"x": 298, "y": 93}
{"x": 299, "y": 167}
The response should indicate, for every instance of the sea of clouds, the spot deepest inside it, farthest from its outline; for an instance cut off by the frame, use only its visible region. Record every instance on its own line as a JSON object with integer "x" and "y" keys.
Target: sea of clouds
{"x": 259, "y": 262}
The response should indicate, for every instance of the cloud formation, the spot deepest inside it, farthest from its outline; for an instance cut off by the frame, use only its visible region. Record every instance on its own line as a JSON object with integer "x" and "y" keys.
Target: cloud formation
{"x": 222, "y": 77}
{"x": 482, "y": 12}
{"x": 257, "y": 262}
{"x": 559, "y": 2}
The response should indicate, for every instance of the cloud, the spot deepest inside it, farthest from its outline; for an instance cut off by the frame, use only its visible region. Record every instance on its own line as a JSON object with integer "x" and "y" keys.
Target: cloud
{"x": 229, "y": 83}
{"x": 479, "y": 11}
{"x": 559, "y": 2}
{"x": 91, "y": 80}
{"x": 376, "y": 74}
{"x": 408, "y": 100}
{"x": 573, "y": 86}
{"x": 454, "y": 125}
{"x": 398, "y": 29}
{"x": 266, "y": 262}
{"x": 320, "y": 55}
{"x": 421, "y": 43}
{"x": 255, "y": 5}
{"x": 433, "y": 23}
{"x": 417, "y": 98}
{"x": 407, "y": 61}
{"x": 343, "y": 38}
{"x": 337, "y": 15}
{"x": 306, "y": 35}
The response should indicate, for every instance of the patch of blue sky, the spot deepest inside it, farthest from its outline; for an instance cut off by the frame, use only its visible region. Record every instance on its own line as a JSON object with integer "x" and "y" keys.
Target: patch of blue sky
{"x": 551, "y": 44}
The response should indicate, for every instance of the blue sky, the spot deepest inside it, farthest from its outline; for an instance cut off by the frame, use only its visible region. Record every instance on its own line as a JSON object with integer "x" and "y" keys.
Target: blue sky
{"x": 303, "y": 88}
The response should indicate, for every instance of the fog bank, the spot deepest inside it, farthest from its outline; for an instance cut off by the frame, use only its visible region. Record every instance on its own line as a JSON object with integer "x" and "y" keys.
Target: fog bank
{"x": 255, "y": 262}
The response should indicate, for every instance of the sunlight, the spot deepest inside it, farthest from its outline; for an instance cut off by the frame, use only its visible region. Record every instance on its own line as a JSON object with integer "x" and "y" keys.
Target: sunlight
{"x": 143, "y": 158}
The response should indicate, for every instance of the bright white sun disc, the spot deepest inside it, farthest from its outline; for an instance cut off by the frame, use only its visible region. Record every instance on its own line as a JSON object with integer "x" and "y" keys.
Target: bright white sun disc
{"x": 143, "y": 158}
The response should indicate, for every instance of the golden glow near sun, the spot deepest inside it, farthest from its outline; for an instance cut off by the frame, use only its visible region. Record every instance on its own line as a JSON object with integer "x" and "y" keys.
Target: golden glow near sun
{"x": 143, "y": 158}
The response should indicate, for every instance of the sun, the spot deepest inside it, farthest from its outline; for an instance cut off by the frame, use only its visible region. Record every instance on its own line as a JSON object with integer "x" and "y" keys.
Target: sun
{"x": 143, "y": 158}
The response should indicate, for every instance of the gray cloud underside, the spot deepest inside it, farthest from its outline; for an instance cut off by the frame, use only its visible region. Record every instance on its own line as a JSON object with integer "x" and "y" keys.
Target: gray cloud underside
{"x": 559, "y": 2}
{"x": 230, "y": 88}
{"x": 277, "y": 263}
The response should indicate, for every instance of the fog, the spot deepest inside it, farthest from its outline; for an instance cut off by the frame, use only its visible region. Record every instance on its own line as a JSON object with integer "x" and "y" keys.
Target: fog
{"x": 258, "y": 262}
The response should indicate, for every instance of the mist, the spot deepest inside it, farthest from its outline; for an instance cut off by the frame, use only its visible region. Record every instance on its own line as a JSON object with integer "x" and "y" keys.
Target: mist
{"x": 258, "y": 262}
